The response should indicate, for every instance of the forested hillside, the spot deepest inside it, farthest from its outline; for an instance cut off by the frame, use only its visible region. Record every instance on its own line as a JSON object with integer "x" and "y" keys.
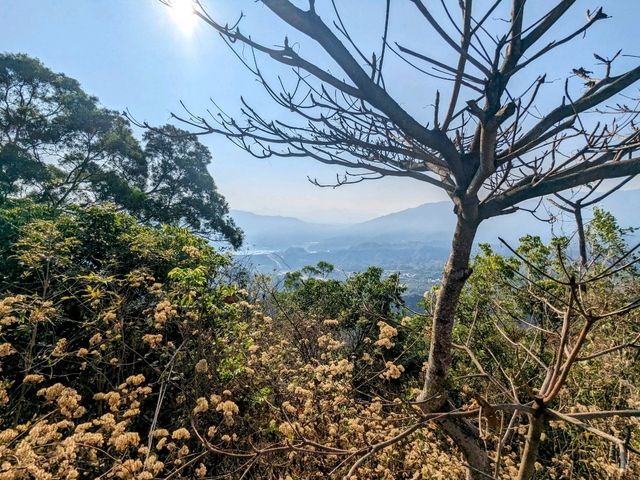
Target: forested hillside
{"x": 412, "y": 243}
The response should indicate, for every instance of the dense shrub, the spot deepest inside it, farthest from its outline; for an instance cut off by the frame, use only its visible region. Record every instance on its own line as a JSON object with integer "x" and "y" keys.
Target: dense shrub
{"x": 131, "y": 351}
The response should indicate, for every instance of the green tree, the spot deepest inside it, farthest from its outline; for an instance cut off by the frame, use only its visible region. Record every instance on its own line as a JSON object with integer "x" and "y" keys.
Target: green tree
{"x": 60, "y": 146}
{"x": 179, "y": 187}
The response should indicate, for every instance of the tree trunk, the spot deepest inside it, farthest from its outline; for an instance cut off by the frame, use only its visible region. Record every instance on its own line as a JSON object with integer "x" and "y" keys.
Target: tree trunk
{"x": 530, "y": 453}
{"x": 468, "y": 442}
{"x": 582, "y": 243}
{"x": 456, "y": 273}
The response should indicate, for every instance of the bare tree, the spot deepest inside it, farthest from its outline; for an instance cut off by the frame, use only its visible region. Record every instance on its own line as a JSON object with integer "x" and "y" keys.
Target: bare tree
{"x": 492, "y": 143}
{"x": 576, "y": 205}
{"x": 578, "y": 315}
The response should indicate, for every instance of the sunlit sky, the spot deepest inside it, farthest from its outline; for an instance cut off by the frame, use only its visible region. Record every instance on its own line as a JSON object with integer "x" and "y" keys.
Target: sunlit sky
{"x": 139, "y": 55}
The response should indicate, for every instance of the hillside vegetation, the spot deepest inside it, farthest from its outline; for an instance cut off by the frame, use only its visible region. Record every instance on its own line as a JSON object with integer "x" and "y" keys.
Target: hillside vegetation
{"x": 132, "y": 351}
{"x": 132, "y": 348}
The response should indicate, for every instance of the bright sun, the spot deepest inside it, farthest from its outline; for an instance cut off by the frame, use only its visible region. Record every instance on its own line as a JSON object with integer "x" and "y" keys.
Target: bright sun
{"x": 182, "y": 13}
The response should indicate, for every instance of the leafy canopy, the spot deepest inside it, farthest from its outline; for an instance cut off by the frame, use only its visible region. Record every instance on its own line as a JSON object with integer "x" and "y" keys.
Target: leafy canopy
{"x": 60, "y": 146}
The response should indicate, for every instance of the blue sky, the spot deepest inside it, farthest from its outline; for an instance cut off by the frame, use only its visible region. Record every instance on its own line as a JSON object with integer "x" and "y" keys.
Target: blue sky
{"x": 131, "y": 54}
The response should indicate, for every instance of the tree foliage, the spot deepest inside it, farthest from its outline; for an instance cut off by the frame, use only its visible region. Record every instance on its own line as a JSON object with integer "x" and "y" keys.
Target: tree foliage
{"x": 60, "y": 146}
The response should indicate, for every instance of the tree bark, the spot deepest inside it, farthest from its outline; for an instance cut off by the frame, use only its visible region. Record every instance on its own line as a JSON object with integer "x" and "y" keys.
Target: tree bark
{"x": 456, "y": 273}
{"x": 582, "y": 242}
{"x": 468, "y": 442}
{"x": 531, "y": 446}
{"x": 434, "y": 395}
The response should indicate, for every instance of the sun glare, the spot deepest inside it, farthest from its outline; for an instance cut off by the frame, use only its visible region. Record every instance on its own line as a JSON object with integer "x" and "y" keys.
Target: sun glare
{"x": 183, "y": 16}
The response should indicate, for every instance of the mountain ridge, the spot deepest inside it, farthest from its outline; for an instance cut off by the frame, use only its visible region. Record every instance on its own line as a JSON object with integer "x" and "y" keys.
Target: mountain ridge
{"x": 428, "y": 222}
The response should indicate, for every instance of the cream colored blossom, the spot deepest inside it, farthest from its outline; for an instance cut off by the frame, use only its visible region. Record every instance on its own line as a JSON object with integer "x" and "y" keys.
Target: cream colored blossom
{"x": 109, "y": 316}
{"x": 181, "y": 434}
{"x": 160, "y": 432}
{"x": 7, "y": 435}
{"x": 67, "y": 399}
{"x": 202, "y": 405}
{"x": 192, "y": 251}
{"x": 6, "y": 349}
{"x": 387, "y": 332}
{"x": 164, "y": 311}
{"x": 287, "y": 430}
{"x": 124, "y": 440}
{"x": 33, "y": 378}
{"x": 392, "y": 371}
{"x": 60, "y": 348}
{"x": 228, "y": 408}
{"x": 327, "y": 341}
{"x": 135, "y": 380}
{"x": 287, "y": 407}
{"x": 202, "y": 366}
{"x": 153, "y": 340}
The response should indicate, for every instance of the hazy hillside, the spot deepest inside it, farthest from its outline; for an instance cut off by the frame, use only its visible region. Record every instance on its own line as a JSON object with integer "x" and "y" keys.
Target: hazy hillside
{"x": 413, "y": 242}
{"x": 430, "y": 223}
{"x": 265, "y": 232}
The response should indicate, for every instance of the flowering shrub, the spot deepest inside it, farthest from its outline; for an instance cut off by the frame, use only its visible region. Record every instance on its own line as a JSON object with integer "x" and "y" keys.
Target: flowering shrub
{"x": 136, "y": 352}
{"x": 96, "y": 347}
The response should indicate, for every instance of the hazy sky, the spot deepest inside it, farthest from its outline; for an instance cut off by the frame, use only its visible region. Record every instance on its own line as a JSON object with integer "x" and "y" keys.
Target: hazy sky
{"x": 133, "y": 54}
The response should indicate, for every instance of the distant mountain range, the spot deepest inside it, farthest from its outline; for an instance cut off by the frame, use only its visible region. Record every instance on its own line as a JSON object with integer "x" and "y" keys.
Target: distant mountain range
{"x": 414, "y": 242}
{"x": 430, "y": 223}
